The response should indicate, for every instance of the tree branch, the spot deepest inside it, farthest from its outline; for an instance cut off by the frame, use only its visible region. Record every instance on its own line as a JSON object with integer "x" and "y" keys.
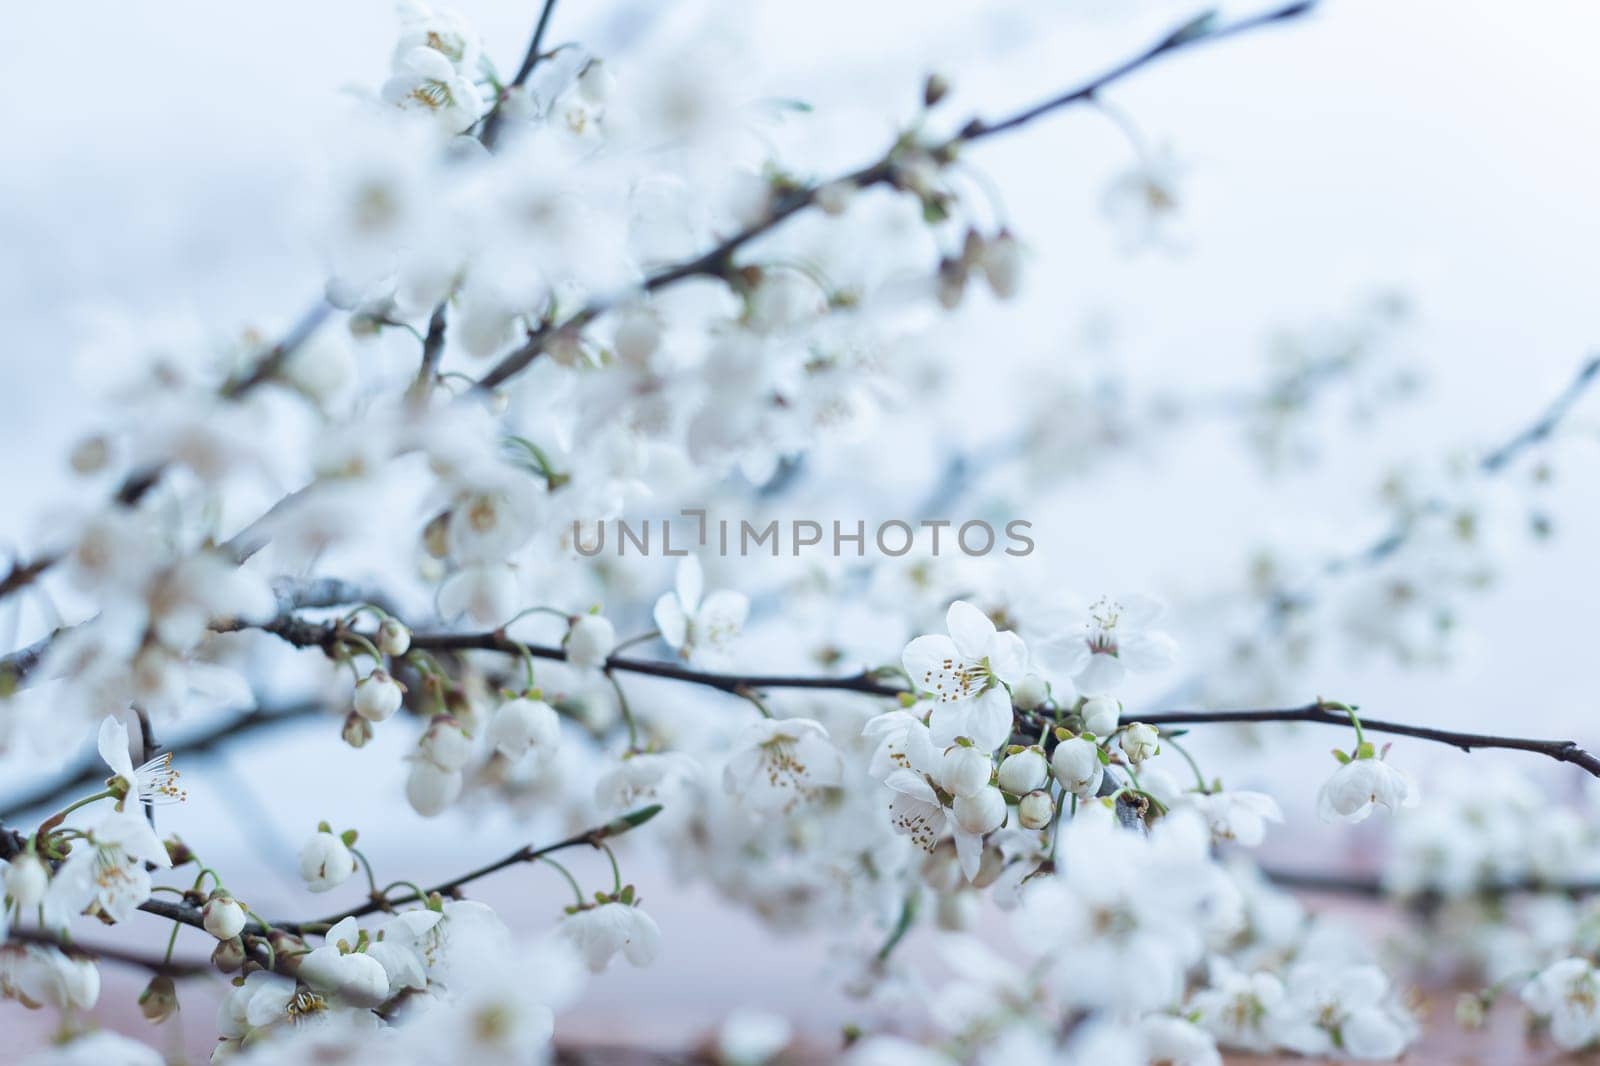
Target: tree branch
{"x": 1321, "y": 714}
{"x": 491, "y": 125}
{"x": 100, "y": 953}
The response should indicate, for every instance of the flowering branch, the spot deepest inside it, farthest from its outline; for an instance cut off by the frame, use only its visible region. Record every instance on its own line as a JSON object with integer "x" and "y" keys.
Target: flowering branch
{"x": 1373, "y": 887}
{"x": 140, "y": 482}
{"x": 188, "y": 914}
{"x": 718, "y": 261}
{"x": 329, "y": 636}
{"x": 1560, "y": 750}
{"x": 150, "y": 963}
{"x": 491, "y": 125}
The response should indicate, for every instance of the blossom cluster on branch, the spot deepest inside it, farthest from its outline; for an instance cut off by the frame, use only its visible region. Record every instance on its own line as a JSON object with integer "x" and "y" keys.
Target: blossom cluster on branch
{"x": 591, "y": 287}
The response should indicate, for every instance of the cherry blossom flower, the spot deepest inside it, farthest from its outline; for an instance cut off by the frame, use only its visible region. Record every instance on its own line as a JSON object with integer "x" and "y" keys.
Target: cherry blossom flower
{"x": 590, "y": 641}
{"x": 154, "y": 782}
{"x": 603, "y": 931}
{"x": 966, "y": 673}
{"x": 106, "y": 872}
{"x": 700, "y": 631}
{"x": 1112, "y": 638}
{"x": 1566, "y": 994}
{"x": 1360, "y": 786}
{"x": 777, "y": 763}
{"x": 1237, "y": 815}
{"x": 326, "y": 862}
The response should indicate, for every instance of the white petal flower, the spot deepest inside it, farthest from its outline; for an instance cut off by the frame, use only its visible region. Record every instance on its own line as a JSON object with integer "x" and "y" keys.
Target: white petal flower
{"x": 777, "y": 763}
{"x": 700, "y": 630}
{"x": 431, "y": 789}
{"x": 1077, "y": 766}
{"x": 590, "y": 642}
{"x": 1567, "y": 995}
{"x": 965, "y": 673}
{"x": 1361, "y": 785}
{"x": 1113, "y": 637}
{"x": 377, "y": 696}
{"x": 155, "y": 782}
{"x": 1023, "y": 771}
{"x": 1140, "y": 742}
{"x": 1239, "y": 816}
{"x": 523, "y": 725}
{"x": 326, "y": 862}
{"x": 602, "y": 931}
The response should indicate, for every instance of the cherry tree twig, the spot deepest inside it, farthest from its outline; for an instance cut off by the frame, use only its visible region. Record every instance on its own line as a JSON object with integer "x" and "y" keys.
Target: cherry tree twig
{"x": 328, "y": 637}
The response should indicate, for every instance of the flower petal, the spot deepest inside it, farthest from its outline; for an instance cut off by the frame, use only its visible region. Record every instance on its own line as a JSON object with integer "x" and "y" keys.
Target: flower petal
{"x": 970, "y": 628}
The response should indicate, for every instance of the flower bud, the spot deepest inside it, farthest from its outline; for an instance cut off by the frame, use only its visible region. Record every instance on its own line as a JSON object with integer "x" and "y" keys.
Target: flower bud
{"x": 941, "y": 870}
{"x": 1140, "y": 742}
{"x": 90, "y": 455}
{"x": 26, "y": 881}
{"x": 834, "y": 198}
{"x": 325, "y": 862}
{"x": 590, "y": 641}
{"x": 159, "y": 1000}
{"x": 1023, "y": 771}
{"x": 934, "y": 89}
{"x": 637, "y": 338}
{"x": 1076, "y": 764}
{"x": 1036, "y": 809}
{"x": 957, "y": 911}
{"x": 1002, "y": 265}
{"x": 991, "y": 864}
{"x": 522, "y": 725}
{"x": 445, "y": 744}
{"x": 982, "y": 812}
{"x": 964, "y": 770}
{"x": 229, "y": 955}
{"x": 1030, "y": 692}
{"x": 393, "y": 637}
{"x": 1101, "y": 715}
{"x": 429, "y": 789}
{"x": 222, "y": 916}
{"x": 357, "y": 730}
{"x": 377, "y": 696}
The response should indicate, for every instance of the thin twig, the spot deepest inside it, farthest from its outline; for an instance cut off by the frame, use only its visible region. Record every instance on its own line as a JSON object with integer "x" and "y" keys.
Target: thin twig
{"x": 101, "y": 953}
{"x": 491, "y": 125}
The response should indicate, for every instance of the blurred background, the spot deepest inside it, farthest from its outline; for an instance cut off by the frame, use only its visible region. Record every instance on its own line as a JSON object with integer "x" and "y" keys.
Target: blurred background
{"x": 165, "y": 157}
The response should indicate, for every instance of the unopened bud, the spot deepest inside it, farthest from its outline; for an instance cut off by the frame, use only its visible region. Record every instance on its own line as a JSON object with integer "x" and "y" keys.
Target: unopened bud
{"x": 393, "y": 637}
{"x": 229, "y": 955}
{"x": 1036, "y": 809}
{"x": 357, "y": 730}
{"x": 222, "y": 916}
{"x": 159, "y": 1000}
{"x": 935, "y": 89}
{"x": 91, "y": 455}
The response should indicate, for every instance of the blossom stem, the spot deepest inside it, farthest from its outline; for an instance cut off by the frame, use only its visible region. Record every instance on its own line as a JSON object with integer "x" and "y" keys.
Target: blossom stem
{"x": 902, "y": 926}
{"x": 616, "y": 871}
{"x": 627, "y": 712}
{"x": 372, "y": 881}
{"x": 1199, "y": 778}
{"x": 577, "y": 892}
{"x": 61, "y": 815}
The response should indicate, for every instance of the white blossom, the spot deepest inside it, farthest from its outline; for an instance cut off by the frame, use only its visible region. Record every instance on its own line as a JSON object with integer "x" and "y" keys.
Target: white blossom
{"x": 777, "y": 763}
{"x": 1361, "y": 785}
{"x": 699, "y": 629}
{"x": 326, "y": 862}
{"x": 603, "y": 931}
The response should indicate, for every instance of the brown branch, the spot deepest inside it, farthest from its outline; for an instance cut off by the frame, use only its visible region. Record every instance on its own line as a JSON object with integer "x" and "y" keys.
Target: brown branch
{"x": 90, "y": 771}
{"x": 718, "y": 261}
{"x": 1373, "y": 888}
{"x": 329, "y": 636}
{"x": 1322, "y": 714}
{"x": 491, "y": 125}
{"x": 102, "y": 953}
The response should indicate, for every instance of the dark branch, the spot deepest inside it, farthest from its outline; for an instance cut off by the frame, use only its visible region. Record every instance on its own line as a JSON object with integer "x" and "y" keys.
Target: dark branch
{"x": 1560, "y": 750}
{"x": 100, "y": 953}
{"x": 491, "y": 125}
{"x": 90, "y": 772}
